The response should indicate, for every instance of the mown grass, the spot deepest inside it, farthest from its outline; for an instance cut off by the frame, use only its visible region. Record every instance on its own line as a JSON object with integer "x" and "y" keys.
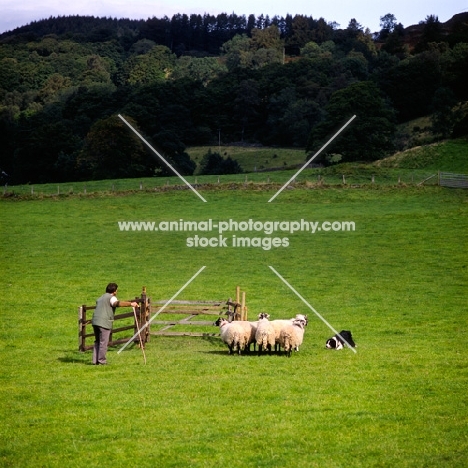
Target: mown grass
{"x": 398, "y": 281}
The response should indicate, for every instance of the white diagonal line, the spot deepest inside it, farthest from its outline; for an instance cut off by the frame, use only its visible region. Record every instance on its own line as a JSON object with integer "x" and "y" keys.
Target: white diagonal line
{"x": 161, "y": 309}
{"x": 311, "y": 159}
{"x": 310, "y": 307}
{"x": 160, "y": 157}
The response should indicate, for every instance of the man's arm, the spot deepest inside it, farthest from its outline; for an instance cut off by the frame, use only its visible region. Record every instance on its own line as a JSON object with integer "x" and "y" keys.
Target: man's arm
{"x": 126, "y": 304}
{"x": 116, "y": 303}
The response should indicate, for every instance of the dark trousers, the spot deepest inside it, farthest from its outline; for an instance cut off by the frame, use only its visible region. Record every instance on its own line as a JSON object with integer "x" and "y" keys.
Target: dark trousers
{"x": 101, "y": 341}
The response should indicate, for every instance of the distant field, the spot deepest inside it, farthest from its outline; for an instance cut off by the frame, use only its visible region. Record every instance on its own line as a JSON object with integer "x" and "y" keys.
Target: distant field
{"x": 253, "y": 158}
{"x": 398, "y": 282}
{"x": 410, "y": 168}
{"x": 449, "y": 155}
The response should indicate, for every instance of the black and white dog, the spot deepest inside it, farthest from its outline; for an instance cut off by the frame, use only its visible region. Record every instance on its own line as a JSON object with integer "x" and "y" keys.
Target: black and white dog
{"x": 338, "y": 341}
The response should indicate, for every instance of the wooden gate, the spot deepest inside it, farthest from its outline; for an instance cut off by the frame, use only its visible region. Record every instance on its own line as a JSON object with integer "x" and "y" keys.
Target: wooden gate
{"x": 195, "y": 313}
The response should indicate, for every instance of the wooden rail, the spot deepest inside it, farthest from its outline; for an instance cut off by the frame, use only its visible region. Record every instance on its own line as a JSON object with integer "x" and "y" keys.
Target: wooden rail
{"x": 194, "y": 312}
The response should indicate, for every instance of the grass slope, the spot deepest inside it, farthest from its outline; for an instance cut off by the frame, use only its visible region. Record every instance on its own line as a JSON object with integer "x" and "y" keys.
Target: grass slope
{"x": 253, "y": 158}
{"x": 398, "y": 281}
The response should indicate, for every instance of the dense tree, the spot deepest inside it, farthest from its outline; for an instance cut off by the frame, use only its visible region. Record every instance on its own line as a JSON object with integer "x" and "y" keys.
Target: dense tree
{"x": 444, "y": 116}
{"x": 200, "y": 79}
{"x": 112, "y": 151}
{"x": 173, "y": 151}
{"x": 432, "y": 32}
{"x": 411, "y": 84}
{"x": 203, "y": 69}
{"x": 215, "y": 164}
{"x": 155, "y": 65}
{"x": 38, "y": 152}
{"x": 369, "y": 136}
{"x": 388, "y": 23}
{"x": 246, "y": 105}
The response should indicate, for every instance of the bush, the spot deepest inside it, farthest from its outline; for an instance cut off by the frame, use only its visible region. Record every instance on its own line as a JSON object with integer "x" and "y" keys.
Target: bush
{"x": 215, "y": 164}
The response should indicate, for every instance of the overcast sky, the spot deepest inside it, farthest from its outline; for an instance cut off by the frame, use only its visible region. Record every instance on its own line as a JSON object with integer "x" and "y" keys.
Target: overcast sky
{"x": 16, "y": 13}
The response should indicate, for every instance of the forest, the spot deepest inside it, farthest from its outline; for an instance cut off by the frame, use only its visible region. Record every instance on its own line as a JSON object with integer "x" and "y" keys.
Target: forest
{"x": 226, "y": 79}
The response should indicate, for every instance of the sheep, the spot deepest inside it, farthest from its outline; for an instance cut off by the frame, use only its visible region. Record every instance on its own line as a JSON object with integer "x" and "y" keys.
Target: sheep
{"x": 291, "y": 336}
{"x": 265, "y": 334}
{"x": 250, "y": 329}
{"x": 232, "y": 334}
{"x": 280, "y": 324}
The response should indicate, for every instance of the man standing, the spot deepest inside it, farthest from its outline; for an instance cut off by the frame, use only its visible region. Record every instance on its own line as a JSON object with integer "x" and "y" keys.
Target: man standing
{"x": 103, "y": 319}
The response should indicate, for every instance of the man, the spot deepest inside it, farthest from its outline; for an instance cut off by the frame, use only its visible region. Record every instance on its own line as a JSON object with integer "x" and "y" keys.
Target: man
{"x": 103, "y": 319}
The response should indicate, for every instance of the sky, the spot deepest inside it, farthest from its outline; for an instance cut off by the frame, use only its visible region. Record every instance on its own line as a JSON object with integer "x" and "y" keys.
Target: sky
{"x": 16, "y": 13}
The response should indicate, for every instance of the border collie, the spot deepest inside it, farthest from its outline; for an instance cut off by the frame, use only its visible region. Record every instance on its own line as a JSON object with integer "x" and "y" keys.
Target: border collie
{"x": 338, "y": 341}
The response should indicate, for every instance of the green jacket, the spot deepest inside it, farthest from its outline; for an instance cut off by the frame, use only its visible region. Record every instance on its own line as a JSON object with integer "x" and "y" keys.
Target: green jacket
{"x": 104, "y": 313}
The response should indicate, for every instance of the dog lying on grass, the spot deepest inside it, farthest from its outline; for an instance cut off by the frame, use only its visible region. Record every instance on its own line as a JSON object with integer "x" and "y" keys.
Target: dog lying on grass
{"x": 338, "y": 341}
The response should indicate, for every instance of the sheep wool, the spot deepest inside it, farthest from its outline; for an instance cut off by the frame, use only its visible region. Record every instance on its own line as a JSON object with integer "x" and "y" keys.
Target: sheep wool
{"x": 232, "y": 334}
{"x": 250, "y": 329}
{"x": 265, "y": 334}
{"x": 280, "y": 324}
{"x": 291, "y": 336}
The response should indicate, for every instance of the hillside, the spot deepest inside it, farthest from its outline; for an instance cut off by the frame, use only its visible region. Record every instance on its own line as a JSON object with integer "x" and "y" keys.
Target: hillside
{"x": 216, "y": 81}
{"x": 444, "y": 156}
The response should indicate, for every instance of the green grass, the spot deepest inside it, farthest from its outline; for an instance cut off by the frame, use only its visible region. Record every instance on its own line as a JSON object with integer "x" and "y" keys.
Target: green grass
{"x": 448, "y": 156}
{"x": 253, "y": 158}
{"x": 411, "y": 167}
{"x": 398, "y": 281}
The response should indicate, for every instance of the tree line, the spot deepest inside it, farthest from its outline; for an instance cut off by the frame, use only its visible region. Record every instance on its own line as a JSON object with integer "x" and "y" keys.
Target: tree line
{"x": 202, "y": 80}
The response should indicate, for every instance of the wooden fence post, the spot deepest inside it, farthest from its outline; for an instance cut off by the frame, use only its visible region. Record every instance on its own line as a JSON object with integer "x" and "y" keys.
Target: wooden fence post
{"x": 243, "y": 309}
{"x": 143, "y": 317}
{"x": 81, "y": 328}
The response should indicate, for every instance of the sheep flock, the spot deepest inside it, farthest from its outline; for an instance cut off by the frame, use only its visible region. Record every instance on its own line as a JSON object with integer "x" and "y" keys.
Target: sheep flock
{"x": 264, "y": 334}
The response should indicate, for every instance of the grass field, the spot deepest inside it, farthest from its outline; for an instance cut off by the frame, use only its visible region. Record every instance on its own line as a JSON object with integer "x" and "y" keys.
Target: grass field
{"x": 410, "y": 167}
{"x": 252, "y": 158}
{"x": 398, "y": 282}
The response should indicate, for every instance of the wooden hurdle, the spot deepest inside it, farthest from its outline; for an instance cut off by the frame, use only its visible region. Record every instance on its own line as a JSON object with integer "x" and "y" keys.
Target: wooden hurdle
{"x": 193, "y": 310}
{"x": 142, "y": 317}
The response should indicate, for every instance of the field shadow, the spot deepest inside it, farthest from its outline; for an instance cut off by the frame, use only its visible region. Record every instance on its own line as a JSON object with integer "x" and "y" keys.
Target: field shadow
{"x": 76, "y": 358}
{"x": 252, "y": 354}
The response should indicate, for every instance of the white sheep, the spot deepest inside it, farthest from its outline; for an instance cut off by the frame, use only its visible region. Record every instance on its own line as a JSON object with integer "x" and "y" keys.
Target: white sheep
{"x": 291, "y": 336}
{"x": 250, "y": 328}
{"x": 233, "y": 334}
{"x": 280, "y": 324}
{"x": 265, "y": 334}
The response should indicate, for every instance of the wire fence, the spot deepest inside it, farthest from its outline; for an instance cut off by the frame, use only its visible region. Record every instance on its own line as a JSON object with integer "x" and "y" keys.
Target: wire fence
{"x": 306, "y": 178}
